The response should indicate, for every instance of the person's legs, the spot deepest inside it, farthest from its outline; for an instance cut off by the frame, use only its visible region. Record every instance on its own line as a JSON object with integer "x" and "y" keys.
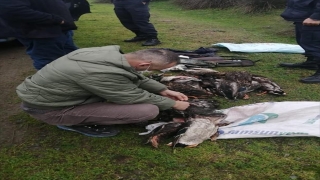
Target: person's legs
{"x": 120, "y": 9}
{"x": 309, "y": 63}
{"x": 140, "y": 17}
{"x": 99, "y": 114}
{"x": 85, "y": 118}
{"x": 45, "y": 50}
{"x": 69, "y": 45}
{"x": 298, "y": 27}
{"x": 310, "y": 41}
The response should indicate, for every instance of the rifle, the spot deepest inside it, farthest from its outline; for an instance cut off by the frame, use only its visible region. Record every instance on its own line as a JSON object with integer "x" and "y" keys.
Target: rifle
{"x": 218, "y": 61}
{"x": 192, "y": 63}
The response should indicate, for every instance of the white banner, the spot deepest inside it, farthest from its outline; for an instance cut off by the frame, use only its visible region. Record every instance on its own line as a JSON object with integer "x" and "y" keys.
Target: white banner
{"x": 272, "y": 119}
{"x": 262, "y": 47}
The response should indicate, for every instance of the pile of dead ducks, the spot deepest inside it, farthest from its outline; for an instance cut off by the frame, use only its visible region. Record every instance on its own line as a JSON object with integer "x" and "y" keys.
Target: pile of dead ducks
{"x": 188, "y": 128}
{"x": 206, "y": 83}
{"x": 195, "y": 78}
{"x": 201, "y": 120}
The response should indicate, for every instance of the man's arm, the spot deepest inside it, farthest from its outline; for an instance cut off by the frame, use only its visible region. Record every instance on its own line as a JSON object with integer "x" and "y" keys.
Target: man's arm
{"x": 151, "y": 85}
{"x": 121, "y": 90}
{"x": 314, "y": 19}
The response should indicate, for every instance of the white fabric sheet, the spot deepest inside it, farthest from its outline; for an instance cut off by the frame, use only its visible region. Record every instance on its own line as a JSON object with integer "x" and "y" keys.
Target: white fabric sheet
{"x": 262, "y": 47}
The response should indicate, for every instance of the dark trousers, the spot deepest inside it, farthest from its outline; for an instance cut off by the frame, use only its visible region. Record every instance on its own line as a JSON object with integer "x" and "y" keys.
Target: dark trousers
{"x": 45, "y": 50}
{"x": 134, "y": 15}
{"x": 96, "y": 113}
{"x": 308, "y": 37}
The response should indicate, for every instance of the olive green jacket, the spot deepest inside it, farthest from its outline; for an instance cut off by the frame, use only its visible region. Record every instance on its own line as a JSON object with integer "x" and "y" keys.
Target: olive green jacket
{"x": 91, "y": 75}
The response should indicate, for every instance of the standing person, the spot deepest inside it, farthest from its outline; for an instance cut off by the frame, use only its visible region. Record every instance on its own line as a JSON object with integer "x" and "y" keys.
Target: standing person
{"x": 43, "y": 27}
{"x": 306, "y": 17}
{"x": 77, "y": 8}
{"x": 134, "y": 15}
{"x": 92, "y": 88}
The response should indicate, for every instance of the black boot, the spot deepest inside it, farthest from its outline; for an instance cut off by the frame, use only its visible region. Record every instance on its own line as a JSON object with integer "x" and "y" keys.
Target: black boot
{"x": 315, "y": 78}
{"x": 308, "y": 64}
{"x": 136, "y": 39}
{"x": 151, "y": 42}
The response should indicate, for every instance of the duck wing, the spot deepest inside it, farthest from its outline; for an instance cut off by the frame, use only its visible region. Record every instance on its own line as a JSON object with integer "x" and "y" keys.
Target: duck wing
{"x": 268, "y": 85}
{"x": 161, "y": 131}
{"x": 195, "y": 131}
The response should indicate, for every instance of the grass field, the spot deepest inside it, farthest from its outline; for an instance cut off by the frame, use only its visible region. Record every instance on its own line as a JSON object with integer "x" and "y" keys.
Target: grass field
{"x": 46, "y": 152}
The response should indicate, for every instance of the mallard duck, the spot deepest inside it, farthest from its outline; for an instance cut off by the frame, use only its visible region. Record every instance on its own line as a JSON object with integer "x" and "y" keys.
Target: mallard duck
{"x": 187, "y": 85}
{"x": 201, "y": 107}
{"x": 227, "y": 89}
{"x": 200, "y": 111}
{"x": 237, "y": 85}
{"x": 241, "y": 77}
{"x": 167, "y": 129}
{"x": 205, "y": 83}
{"x": 197, "y": 129}
{"x": 268, "y": 86}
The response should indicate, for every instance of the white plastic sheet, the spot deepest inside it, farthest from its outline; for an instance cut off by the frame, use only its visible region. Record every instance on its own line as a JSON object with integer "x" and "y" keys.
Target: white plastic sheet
{"x": 262, "y": 47}
{"x": 272, "y": 119}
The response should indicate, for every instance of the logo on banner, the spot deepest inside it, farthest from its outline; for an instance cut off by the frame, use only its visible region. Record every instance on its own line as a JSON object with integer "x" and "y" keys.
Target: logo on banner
{"x": 313, "y": 120}
{"x": 260, "y": 118}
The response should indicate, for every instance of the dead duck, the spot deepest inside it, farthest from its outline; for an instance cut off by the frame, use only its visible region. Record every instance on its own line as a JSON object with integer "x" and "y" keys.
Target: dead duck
{"x": 164, "y": 130}
{"x": 237, "y": 85}
{"x": 227, "y": 89}
{"x": 201, "y": 107}
{"x": 198, "y": 129}
{"x": 188, "y": 85}
{"x": 200, "y": 116}
{"x": 205, "y": 83}
{"x": 267, "y": 85}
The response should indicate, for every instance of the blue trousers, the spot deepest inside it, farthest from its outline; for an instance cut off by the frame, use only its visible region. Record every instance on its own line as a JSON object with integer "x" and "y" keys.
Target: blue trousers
{"x": 134, "y": 15}
{"x": 308, "y": 37}
{"x": 45, "y": 50}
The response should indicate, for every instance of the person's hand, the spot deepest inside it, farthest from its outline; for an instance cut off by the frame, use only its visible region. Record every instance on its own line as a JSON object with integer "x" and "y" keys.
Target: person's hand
{"x": 174, "y": 95}
{"x": 62, "y": 22}
{"x": 311, "y": 22}
{"x": 144, "y": 3}
{"x": 181, "y": 105}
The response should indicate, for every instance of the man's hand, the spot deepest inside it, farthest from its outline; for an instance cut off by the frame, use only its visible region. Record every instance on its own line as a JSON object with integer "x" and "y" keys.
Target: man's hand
{"x": 62, "y": 22}
{"x": 174, "y": 95}
{"x": 311, "y": 22}
{"x": 181, "y": 105}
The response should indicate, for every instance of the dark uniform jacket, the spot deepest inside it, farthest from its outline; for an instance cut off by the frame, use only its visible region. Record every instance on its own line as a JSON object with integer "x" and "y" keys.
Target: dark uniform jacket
{"x": 35, "y": 18}
{"x": 299, "y": 10}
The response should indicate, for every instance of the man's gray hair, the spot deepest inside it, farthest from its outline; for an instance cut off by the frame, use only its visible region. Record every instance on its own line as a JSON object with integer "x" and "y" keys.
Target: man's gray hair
{"x": 157, "y": 56}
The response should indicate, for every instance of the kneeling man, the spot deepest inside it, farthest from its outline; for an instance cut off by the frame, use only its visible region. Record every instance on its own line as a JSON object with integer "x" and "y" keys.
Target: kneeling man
{"x": 90, "y": 89}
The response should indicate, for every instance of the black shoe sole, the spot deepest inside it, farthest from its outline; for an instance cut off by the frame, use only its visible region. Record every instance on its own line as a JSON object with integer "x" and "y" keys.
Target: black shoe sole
{"x": 138, "y": 40}
{"x": 105, "y": 134}
{"x": 309, "y": 82}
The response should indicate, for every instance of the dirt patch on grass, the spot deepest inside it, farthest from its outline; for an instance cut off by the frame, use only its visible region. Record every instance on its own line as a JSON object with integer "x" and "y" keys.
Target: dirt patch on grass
{"x": 287, "y": 33}
{"x": 15, "y": 65}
